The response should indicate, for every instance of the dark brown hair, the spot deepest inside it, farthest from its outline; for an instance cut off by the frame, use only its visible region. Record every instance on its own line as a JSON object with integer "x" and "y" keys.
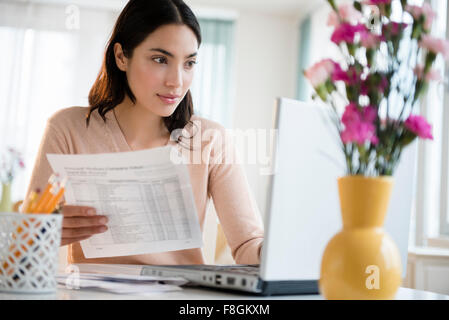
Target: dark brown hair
{"x": 138, "y": 19}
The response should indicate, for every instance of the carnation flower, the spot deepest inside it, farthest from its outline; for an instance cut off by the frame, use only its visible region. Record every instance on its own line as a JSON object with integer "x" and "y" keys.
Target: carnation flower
{"x": 349, "y": 77}
{"x": 431, "y": 75}
{"x": 419, "y": 126}
{"x": 435, "y": 45}
{"x": 359, "y": 126}
{"x": 320, "y": 72}
{"x": 369, "y": 40}
{"x": 346, "y": 32}
{"x": 394, "y": 28}
{"x": 426, "y": 11}
{"x": 10, "y": 163}
{"x": 376, "y": 2}
{"x": 346, "y": 12}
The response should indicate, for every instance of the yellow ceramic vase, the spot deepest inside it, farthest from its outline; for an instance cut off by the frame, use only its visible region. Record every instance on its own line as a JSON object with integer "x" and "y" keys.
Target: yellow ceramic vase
{"x": 361, "y": 261}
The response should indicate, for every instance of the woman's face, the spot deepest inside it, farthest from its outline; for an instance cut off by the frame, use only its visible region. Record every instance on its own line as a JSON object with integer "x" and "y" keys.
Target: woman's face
{"x": 160, "y": 70}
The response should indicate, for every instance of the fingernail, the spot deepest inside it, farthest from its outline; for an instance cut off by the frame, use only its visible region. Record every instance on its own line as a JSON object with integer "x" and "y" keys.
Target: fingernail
{"x": 91, "y": 211}
{"x": 103, "y": 220}
{"x": 103, "y": 229}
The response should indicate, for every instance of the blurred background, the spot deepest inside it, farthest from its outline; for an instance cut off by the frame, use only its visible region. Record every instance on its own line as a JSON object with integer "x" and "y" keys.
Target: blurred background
{"x": 253, "y": 51}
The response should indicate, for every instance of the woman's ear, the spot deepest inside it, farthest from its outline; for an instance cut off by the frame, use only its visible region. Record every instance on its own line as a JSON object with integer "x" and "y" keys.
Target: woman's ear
{"x": 120, "y": 59}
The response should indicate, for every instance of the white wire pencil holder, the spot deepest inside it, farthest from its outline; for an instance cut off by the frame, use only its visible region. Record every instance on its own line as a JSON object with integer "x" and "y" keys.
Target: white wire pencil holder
{"x": 29, "y": 249}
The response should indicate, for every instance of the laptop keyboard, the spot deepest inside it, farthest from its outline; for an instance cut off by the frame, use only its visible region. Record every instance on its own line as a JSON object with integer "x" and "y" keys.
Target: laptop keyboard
{"x": 247, "y": 269}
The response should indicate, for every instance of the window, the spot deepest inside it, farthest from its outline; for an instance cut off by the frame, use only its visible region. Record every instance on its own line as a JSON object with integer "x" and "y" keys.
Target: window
{"x": 46, "y": 66}
{"x": 438, "y": 102}
{"x": 212, "y": 87}
{"x": 432, "y": 203}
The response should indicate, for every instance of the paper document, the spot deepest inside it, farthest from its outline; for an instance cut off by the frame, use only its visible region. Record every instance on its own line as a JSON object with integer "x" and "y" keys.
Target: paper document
{"x": 146, "y": 195}
{"x": 121, "y": 283}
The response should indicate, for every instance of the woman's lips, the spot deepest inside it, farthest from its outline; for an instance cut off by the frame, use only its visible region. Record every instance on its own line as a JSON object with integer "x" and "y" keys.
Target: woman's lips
{"x": 167, "y": 100}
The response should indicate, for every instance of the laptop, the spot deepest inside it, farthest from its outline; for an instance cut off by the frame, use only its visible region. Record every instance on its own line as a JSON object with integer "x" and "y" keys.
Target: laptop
{"x": 303, "y": 211}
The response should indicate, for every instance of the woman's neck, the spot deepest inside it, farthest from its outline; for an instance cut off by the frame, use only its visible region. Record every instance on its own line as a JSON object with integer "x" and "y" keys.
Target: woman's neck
{"x": 142, "y": 128}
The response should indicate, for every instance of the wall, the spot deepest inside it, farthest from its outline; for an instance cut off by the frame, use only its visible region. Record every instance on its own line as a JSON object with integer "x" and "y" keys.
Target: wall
{"x": 266, "y": 64}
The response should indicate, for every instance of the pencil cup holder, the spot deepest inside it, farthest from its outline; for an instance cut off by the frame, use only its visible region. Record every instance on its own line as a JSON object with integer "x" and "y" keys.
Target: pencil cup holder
{"x": 29, "y": 248}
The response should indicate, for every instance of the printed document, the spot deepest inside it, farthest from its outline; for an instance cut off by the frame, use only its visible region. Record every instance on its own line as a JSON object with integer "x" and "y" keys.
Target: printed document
{"x": 146, "y": 195}
{"x": 121, "y": 283}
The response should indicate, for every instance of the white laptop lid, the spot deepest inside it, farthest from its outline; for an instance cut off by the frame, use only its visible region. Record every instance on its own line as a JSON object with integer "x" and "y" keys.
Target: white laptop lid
{"x": 303, "y": 210}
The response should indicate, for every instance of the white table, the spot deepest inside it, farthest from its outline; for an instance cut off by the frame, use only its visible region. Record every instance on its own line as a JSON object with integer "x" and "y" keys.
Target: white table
{"x": 195, "y": 293}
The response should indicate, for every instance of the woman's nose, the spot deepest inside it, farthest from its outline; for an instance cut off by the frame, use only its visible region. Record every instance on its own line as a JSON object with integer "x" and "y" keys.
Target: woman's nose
{"x": 174, "y": 78}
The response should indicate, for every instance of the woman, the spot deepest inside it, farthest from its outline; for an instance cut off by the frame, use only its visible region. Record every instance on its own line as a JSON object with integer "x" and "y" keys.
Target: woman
{"x": 139, "y": 100}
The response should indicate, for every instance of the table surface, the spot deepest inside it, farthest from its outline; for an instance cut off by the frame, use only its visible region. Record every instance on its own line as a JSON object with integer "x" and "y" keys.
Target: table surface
{"x": 193, "y": 293}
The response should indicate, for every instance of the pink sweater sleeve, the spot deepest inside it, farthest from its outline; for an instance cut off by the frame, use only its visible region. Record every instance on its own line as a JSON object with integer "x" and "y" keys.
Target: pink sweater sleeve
{"x": 235, "y": 206}
{"x": 52, "y": 142}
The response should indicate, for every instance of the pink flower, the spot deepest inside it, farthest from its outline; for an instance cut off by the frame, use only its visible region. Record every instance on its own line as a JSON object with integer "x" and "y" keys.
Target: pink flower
{"x": 346, "y": 32}
{"x": 376, "y": 2}
{"x": 426, "y": 11}
{"x": 340, "y": 74}
{"x": 347, "y": 13}
{"x": 394, "y": 28}
{"x": 332, "y": 19}
{"x": 419, "y": 126}
{"x": 359, "y": 126}
{"x": 349, "y": 77}
{"x": 377, "y": 6}
{"x": 351, "y": 115}
{"x": 9, "y": 165}
{"x": 369, "y": 40}
{"x": 435, "y": 45}
{"x": 369, "y": 114}
{"x": 432, "y": 75}
{"x": 320, "y": 72}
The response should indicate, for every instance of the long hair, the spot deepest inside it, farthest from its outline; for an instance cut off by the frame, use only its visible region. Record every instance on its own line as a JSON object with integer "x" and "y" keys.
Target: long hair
{"x": 138, "y": 19}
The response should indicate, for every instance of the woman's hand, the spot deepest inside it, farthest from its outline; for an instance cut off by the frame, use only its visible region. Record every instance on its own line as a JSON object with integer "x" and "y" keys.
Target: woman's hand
{"x": 80, "y": 223}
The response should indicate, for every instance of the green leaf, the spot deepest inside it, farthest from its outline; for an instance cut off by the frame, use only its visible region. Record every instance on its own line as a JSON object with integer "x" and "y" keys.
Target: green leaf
{"x": 417, "y": 30}
{"x": 388, "y": 10}
{"x": 330, "y": 87}
{"x": 407, "y": 138}
{"x": 321, "y": 91}
{"x": 370, "y": 54}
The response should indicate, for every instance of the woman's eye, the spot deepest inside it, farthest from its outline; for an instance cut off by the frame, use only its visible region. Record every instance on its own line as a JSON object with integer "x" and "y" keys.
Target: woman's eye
{"x": 160, "y": 60}
{"x": 191, "y": 64}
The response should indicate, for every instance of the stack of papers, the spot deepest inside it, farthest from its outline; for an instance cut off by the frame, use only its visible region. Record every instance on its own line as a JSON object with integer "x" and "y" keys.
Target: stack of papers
{"x": 121, "y": 283}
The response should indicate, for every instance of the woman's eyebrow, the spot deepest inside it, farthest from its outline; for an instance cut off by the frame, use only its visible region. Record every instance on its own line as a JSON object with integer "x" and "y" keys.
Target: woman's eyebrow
{"x": 170, "y": 54}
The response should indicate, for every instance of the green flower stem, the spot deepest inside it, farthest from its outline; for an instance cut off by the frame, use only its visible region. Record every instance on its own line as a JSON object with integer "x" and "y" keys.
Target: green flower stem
{"x": 332, "y": 3}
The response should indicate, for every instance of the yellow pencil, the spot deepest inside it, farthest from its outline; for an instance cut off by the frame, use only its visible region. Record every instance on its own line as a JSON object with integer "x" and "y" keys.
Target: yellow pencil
{"x": 32, "y": 201}
{"x": 43, "y": 200}
{"x": 57, "y": 194}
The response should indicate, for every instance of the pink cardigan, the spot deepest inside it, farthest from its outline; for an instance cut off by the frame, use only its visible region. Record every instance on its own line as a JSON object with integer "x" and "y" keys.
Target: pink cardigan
{"x": 223, "y": 181}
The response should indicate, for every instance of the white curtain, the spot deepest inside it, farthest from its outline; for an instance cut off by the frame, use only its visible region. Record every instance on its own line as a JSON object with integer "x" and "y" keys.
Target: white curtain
{"x": 46, "y": 64}
{"x": 212, "y": 89}
{"x": 432, "y": 219}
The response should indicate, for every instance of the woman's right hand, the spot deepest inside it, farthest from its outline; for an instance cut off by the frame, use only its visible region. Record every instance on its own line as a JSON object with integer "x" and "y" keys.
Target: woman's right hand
{"x": 80, "y": 223}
